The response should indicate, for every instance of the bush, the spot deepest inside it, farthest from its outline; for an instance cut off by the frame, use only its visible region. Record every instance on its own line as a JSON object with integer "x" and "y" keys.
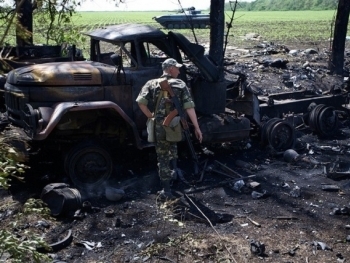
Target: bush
{"x": 11, "y": 163}
{"x": 22, "y": 248}
{"x": 19, "y": 247}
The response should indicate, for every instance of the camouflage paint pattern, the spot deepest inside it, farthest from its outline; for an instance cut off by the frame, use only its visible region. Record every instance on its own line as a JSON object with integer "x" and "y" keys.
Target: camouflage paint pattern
{"x": 166, "y": 151}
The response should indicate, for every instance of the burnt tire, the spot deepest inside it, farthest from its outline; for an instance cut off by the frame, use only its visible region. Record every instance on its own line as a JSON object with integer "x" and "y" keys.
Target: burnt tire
{"x": 88, "y": 165}
{"x": 279, "y": 134}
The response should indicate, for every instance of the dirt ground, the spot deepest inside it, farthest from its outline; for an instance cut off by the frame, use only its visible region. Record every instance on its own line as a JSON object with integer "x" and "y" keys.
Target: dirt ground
{"x": 283, "y": 212}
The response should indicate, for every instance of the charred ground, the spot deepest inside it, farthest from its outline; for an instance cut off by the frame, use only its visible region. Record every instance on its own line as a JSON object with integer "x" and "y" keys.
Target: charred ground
{"x": 285, "y": 212}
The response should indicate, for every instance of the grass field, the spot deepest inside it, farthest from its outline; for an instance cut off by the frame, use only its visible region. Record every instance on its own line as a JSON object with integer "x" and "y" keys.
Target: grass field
{"x": 287, "y": 27}
{"x": 282, "y": 27}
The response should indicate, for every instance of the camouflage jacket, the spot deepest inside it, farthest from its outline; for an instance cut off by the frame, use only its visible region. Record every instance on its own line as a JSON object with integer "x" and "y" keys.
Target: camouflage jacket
{"x": 151, "y": 90}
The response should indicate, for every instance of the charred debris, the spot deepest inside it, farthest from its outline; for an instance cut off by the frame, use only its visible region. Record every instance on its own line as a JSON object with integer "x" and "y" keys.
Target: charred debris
{"x": 250, "y": 108}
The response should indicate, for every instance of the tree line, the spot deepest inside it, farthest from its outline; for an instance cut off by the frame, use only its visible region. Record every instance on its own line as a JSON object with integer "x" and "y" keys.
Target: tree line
{"x": 285, "y": 5}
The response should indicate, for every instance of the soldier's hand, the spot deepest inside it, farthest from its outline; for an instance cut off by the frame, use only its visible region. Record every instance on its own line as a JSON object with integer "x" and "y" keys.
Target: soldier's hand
{"x": 199, "y": 135}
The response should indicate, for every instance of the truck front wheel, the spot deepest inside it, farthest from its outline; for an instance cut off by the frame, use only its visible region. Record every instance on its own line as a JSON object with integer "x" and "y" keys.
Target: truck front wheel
{"x": 88, "y": 165}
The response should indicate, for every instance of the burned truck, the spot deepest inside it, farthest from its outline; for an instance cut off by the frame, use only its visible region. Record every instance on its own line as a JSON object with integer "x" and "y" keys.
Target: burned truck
{"x": 82, "y": 108}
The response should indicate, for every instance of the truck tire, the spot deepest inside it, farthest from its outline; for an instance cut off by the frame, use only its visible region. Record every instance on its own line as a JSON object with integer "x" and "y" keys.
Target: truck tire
{"x": 88, "y": 165}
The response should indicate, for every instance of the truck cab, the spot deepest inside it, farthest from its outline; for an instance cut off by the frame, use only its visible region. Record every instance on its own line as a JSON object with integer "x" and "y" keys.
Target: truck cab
{"x": 84, "y": 107}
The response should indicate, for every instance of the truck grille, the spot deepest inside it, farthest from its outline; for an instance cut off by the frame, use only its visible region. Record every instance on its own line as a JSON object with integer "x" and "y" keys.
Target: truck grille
{"x": 82, "y": 76}
{"x": 13, "y": 103}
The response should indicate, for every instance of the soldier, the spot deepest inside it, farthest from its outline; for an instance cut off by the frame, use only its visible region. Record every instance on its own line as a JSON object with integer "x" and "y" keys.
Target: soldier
{"x": 147, "y": 99}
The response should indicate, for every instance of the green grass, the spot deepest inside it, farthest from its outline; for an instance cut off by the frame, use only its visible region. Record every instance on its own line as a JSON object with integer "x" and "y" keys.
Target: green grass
{"x": 279, "y": 16}
{"x": 282, "y": 27}
{"x": 84, "y": 18}
{"x": 287, "y": 26}
{"x": 102, "y": 18}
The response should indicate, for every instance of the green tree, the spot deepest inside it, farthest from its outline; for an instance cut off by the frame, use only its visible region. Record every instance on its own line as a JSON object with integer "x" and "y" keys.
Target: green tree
{"x": 53, "y": 16}
{"x": 57, "y": 16}
{"x": 53, "y": 20}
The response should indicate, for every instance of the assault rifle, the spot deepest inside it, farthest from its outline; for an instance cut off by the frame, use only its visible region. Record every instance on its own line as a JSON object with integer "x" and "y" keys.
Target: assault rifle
{"x": 164, "y": 84}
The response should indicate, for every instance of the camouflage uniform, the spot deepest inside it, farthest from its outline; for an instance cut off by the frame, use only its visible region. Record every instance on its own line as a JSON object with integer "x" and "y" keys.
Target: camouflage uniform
{"x": 166, "y": 151}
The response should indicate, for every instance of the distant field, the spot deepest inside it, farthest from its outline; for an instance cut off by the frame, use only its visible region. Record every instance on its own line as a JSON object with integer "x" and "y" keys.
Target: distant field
{"x": 288, "y": 27}
{"x": 304, "y": 27}
{"x": 107, "y": 18}
{"x": 85, "y": 18}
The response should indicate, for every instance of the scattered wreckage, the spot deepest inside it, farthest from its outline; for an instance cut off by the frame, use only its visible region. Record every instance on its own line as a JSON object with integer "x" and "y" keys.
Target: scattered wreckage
{"x": 85, "y": 108}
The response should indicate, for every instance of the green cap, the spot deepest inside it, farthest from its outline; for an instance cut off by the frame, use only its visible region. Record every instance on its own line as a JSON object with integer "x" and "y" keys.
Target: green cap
{"x": 170, "y": 62}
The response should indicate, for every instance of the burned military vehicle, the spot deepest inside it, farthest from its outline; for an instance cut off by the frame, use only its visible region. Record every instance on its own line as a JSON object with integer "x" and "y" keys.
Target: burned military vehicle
{"x": 82, "y": 108}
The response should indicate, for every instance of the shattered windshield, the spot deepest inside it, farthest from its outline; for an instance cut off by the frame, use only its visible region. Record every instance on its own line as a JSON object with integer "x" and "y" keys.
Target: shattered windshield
{"x": 140, "y": 53}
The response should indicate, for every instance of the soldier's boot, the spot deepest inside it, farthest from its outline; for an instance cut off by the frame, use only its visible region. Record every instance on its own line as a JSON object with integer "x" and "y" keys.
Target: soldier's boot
{"x": 166, "y": 192}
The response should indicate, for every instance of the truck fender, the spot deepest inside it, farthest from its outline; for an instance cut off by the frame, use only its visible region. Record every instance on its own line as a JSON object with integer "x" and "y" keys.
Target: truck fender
{"x": 52, "y": 118}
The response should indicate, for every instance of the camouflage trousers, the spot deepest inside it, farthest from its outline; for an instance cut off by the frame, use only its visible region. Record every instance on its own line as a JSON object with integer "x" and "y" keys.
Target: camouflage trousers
{"x": 166, "y": 151}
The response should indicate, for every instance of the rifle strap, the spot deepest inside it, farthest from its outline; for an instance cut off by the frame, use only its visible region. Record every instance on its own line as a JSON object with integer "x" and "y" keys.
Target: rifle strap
{"x": 161, "y": 94}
